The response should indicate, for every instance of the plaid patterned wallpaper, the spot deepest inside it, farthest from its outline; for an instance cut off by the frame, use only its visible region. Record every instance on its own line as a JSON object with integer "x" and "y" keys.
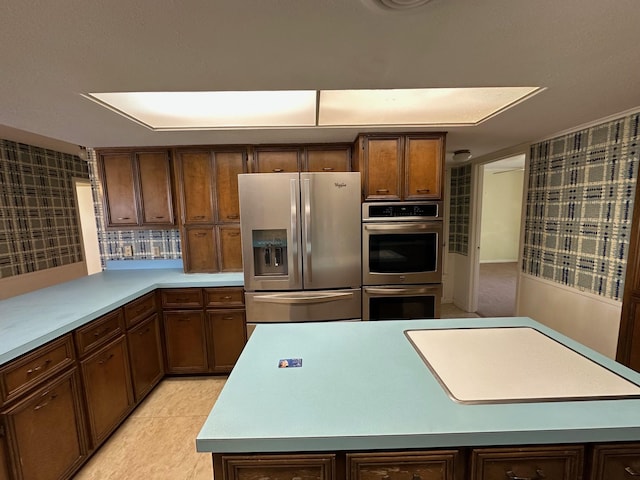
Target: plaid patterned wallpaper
{"x": 460, "y": 209}
{"x": 579, "y": 207}
{"x": 39, "y": 227}
{"x": 142, "y": 241}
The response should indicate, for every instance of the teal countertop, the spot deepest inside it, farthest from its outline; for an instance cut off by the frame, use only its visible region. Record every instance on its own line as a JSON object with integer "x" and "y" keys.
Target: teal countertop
{"x": 362, "y": 386}
{"x": 31, "y": 320}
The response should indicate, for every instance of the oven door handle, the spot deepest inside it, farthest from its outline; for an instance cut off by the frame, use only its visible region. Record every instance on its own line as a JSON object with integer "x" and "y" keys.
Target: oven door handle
{"x": 408, "y": 227}
{"x": 389, "y": 291}
{"x": 306, "y": 298}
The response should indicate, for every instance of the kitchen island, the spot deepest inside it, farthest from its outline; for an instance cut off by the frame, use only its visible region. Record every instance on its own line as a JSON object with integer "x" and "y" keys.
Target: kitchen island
{"x": 364, "y": 401}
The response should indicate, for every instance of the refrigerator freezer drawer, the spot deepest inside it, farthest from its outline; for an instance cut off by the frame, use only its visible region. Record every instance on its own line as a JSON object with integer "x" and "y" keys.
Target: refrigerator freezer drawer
{"x": 303, "y": 306}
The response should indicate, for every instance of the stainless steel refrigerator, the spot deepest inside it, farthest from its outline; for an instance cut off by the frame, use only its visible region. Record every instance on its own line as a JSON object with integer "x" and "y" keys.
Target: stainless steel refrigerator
{"x": 301, "y": 240}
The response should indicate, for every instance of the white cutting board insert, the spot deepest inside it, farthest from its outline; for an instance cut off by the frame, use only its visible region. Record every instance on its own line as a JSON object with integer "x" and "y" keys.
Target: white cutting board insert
{"x": 513, "y": 364}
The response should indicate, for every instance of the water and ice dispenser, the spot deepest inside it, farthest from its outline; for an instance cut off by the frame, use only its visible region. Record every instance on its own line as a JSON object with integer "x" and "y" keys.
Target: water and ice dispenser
{"x": 270, "y": 252}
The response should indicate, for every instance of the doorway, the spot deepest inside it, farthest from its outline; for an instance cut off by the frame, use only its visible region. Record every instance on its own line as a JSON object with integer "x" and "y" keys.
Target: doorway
{"x": 88, "y": 227}
{"x": 499, "y": 228}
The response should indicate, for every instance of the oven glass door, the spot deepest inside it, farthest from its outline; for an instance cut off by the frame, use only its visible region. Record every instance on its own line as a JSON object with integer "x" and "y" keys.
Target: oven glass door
{"x": 392, "y": 303}
{"x": 401, "y": 253}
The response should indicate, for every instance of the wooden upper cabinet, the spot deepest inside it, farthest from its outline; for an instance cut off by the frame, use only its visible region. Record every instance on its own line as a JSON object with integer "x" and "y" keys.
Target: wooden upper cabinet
{"x": 155, "y": 188}
{"x": 326, "y": 158}
{"x": 118, "y": 188}
{"x": 423, "y": 169}
{"x": 136, "y": 188}
{"x": 195, "y": 178}
{"x": 277, "y": 159}
{"x": 228, "y": 165}
{"x": 382, "y": 167}
{"x": 400, "y": 167}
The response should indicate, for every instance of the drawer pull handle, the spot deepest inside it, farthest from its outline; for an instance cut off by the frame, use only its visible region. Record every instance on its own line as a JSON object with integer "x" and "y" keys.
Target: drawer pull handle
{"x": 227, "y": 318}
{"x": 198, "y": 217}
{"x": 234, "y": 234}
{"x": 416, "y": 477}
{"x": 233, "y": 217}
{"x": 53, "y": 396}
{"x": 100, "y": 332}
{"x": 200, "y": 234}
{"x": 539, "y": 475}
{"x": 182, "y": 300}
{"x": 631, "y": 472}
{"x": 105, "y": 360}
{"x": 278, "y": 170}
{"x": 37, "y": 368}
{"x": 124, "y": 218}
{"x": 327, "y": 169}
{"x": 226, "y": 297}
{"x": 423, "y": 190}
{"x": 382, "y": 190}
{"x": 146, "y": 330}
{"x": 159, "y": 217}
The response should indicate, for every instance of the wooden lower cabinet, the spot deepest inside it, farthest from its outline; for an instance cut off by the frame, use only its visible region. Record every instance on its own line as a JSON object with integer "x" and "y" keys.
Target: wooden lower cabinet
{"x": 4, "y": 459}
{"x": 531, "y": 463}
{"x": 275, "y": 467}
{"x": 615, "y": 462}
{"x": 227, "y": 337}
{"x": 430, "y": 465}
{"x": 145, "y": 356}
{"x": 108, "y": 389}
{"x": 45, "y": 431}
{"x": 185, "y": 341}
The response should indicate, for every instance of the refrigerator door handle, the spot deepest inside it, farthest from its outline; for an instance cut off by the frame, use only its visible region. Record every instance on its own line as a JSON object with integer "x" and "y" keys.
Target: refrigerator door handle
{"x": 306, "y": 298}
{"x": 306, "y": 194}
{"x": 293, "y": 259}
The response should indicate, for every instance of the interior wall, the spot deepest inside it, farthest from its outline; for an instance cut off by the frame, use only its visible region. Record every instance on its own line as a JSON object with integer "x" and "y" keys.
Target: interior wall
{"x": 501, "y": 215}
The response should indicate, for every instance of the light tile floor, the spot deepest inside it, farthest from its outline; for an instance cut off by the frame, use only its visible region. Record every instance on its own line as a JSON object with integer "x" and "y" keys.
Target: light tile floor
{"x": 449, "y": 310}
{"x": 157, "y": 442}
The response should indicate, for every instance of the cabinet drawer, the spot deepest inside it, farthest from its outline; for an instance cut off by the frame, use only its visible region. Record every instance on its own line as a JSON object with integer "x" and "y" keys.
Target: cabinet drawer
{"x": 140, "y": 309}
{"x": 615, "y": 462}
{"x": 98, "y": 332}
{"x": 433, "y": 465}
{"x": 35, "y": 367}
{"x": 181, "y": 298}
{"x": 559, "y": 463}
{"x": 224, "y": 297}
{"x": 278, "y": 467}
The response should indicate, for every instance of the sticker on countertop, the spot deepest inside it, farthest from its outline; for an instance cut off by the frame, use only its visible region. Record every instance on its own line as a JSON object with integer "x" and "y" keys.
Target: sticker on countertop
{"x": 290, "y": 362}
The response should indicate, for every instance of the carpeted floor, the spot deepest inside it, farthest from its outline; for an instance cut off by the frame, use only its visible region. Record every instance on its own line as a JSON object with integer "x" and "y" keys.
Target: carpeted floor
{"x": 497, "y": 289}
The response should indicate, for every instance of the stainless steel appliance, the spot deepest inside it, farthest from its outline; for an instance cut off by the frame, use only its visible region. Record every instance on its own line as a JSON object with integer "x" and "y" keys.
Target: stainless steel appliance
{"x": 393, "y": 302}
{"x": 401, "y": 243}
{"x": 301, "y": 244}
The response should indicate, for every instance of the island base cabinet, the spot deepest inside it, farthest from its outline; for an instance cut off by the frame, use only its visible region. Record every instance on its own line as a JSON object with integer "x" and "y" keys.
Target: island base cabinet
{"x": 45, "y": 433}
{"x": 436, "y": 465}
{"x": 108, "y": 390}
{"x": 145, "y": 352}
{"x": 615, "y": 462}
{"x": 274, "y": 467}
{"x": 533, "y": 463}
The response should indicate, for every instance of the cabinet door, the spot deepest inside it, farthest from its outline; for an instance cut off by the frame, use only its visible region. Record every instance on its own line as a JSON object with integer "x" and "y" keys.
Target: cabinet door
{"x": 327, "y": 159}
{"x": 155, "y": 189}
{"x": 199, "y": 249}
{"x": 227, "y": 337}
{"x": 274, "y": 467}
{"x": 277, "y": 161}
{"x": 230, "y": 248}
{"x": 195, "y": 172}
{"x": 47, "y": 430}
{"x": 615, "y": 462}
{"x": 4, "y": 460}
{"x": 185, "y": 342}
{"x": 228, "y": 165}
{"x": 557, "y": 463}
{"x": 422, "y": 168}
{"x": 145, "y": 354}
{"x": 108, "y": 390}
{"x": 430, "y": 465}
{"x": 382, "y": 168}
{"x": 118, "y": 188}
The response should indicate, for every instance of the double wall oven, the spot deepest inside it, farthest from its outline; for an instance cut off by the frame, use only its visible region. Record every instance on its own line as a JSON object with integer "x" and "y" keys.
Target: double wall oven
{"x": 401, "y": 260}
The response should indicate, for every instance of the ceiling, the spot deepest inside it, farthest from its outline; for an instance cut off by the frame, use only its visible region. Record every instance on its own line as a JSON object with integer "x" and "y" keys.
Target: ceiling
{"x": 584, "y": 52}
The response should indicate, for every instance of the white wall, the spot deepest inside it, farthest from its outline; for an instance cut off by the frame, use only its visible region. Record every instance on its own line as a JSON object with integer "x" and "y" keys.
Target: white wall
{"x": 501, "y": 215}
{"x": 587, "y": 318}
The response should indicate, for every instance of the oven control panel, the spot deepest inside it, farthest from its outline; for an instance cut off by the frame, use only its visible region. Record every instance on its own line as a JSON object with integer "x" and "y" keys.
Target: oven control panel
{"x": 407, "y": 211}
